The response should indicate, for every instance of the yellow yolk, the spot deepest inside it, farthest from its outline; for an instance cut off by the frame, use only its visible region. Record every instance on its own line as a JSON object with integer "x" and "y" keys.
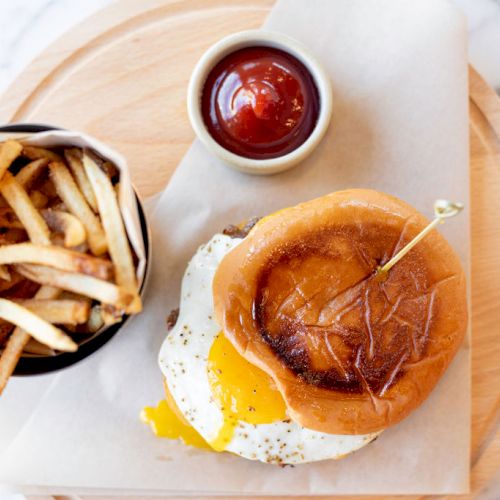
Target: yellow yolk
{"x": 242, "y": 391}
{"x": 166, "y": 420}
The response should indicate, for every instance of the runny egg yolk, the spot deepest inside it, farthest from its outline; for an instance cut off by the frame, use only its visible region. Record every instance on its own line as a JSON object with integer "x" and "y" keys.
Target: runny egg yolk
{"x": 166, "y": 420}
{"x": 242, "y": 391}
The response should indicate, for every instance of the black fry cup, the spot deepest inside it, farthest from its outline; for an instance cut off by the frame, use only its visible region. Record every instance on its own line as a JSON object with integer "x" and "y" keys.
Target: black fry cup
{"x": 35, "y": 364}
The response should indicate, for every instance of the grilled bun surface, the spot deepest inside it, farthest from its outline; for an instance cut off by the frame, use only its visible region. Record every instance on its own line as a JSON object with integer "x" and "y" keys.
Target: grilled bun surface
{"x": 350, "y": 350}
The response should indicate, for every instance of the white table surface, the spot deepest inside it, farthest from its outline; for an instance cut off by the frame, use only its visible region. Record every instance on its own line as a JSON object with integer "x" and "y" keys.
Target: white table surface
{"x": 28, "y": 26}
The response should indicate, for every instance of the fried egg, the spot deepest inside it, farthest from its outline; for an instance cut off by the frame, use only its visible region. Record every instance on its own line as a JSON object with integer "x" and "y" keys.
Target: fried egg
{"x": 218, "y": 400}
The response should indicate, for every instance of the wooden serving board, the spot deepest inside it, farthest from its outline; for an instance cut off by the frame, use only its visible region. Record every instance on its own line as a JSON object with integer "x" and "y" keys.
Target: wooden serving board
{"x": 121, "y": 76}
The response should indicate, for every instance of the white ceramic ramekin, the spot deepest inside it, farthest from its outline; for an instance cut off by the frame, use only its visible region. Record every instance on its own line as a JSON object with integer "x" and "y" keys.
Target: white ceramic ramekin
{"x": 255, "y": 38}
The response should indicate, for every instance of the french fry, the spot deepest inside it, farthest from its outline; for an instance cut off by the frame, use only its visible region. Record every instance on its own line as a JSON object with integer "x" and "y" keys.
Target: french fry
{"x": 38, "y": 328}
{"x": 59, "y": 240}
{"x": 39, "y": 199}
{"x": 97, "y": 289}
{"x": 53, "y": 256}
{"x": 52, "y": 230}
{"x": 9, "y": 151}
{"x": 30, "y": 172}
{"x": 72, "y": 197}
{"x": 47, "y": 292}
{"x": 5, "y": 329}
{"x": 95, "y": 321}
{"x": 63, "y": 222}
{"x": 72, "y": 312}
{"x": 4, "y": 273}
{"x": 35, "y": 347}
{"x": 19, "y": 200}
{"x": 110, "y": 315}
{"x": 17, "y": 341}
{"x": 11, "y": 354}
{"x": 36, "y": 153}
{"x": 73, "y": 157}
{"x": 114, "y": 228}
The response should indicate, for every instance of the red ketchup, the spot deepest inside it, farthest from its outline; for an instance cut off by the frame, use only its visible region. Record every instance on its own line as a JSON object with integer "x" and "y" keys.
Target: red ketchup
{"x": 260, "y": 102}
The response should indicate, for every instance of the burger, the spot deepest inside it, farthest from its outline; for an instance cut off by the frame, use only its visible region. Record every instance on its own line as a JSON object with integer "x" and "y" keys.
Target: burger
{"x": 290, "y": 346}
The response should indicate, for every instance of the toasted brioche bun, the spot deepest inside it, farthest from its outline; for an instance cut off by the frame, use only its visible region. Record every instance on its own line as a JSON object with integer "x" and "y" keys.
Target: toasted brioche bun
{"x": 351, "y": 352}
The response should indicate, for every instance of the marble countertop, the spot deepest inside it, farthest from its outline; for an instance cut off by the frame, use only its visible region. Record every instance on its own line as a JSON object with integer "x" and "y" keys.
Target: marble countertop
{"x": 28, "y": 26}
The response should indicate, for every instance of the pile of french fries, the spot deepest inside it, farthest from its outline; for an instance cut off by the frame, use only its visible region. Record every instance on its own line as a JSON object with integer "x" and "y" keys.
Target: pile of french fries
{"x": 65, "y": 258}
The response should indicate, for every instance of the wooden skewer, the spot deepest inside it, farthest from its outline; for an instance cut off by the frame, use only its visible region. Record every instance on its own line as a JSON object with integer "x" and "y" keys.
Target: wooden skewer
{"x": 443, "y": 209}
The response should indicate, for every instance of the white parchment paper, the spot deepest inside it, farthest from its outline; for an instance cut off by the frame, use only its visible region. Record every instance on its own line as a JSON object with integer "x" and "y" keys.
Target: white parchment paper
{"x": 400, "y": 124}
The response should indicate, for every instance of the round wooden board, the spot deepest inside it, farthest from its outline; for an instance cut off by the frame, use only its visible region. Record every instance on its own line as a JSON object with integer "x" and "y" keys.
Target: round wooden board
{"x": 121, "y": 76}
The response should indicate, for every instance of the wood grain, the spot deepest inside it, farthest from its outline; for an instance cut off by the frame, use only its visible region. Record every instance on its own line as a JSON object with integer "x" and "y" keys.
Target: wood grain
{"x": 121, "y": 76}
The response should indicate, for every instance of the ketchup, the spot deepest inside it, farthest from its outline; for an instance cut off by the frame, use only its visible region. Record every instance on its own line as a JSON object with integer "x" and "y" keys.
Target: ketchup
{"x": 260, "y": 102}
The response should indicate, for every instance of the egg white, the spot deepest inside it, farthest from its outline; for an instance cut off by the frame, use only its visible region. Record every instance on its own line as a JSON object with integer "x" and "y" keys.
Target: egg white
{"x": 183, "y": 360}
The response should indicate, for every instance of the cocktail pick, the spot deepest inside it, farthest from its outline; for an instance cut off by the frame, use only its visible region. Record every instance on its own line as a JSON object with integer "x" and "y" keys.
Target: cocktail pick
{"x": 443, "y": 209}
